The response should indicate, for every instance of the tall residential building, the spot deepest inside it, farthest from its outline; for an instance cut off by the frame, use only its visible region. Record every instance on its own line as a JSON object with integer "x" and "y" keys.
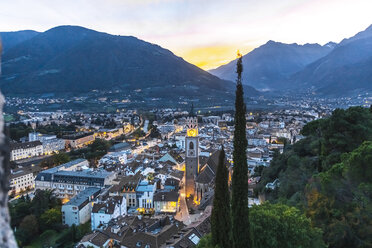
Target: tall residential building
{"x": 78, "y": 210}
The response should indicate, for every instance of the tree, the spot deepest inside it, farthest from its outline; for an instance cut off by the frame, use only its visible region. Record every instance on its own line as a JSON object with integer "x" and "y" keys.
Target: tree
{"x": 61, "y": 158}
{"x": 51, "y": 218}
{"x": 281, "y": 226}
{"x": 206, "y": 242}
{"x": 43, "y": 200}
{"x": 28, "y": 228}
{"x": 239, "y": 205}
{"x": 221, "y": 217}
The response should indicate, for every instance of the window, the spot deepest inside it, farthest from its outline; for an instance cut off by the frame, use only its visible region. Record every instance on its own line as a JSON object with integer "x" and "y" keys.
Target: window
{"x": 191, "y": 145}
{"x": 195, "y": 239}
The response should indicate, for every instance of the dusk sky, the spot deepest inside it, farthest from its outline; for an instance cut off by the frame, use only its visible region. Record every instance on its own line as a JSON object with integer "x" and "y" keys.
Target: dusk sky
{"x": 206, "y": 33}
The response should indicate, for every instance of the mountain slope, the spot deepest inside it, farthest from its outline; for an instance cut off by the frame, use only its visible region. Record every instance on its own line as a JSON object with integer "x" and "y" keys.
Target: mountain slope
{"x": 10, "y": 39}
{"x": 76, "y": 59}
{"x": 266, "y": 66}
{"x": 346, "y": 70}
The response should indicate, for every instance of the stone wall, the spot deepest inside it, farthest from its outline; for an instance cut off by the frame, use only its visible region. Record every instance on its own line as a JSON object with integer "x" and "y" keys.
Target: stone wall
{"x": 6, "y": 233}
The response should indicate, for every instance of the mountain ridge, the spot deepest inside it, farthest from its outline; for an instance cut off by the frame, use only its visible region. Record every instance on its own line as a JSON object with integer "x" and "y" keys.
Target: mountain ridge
{"x": 273, "y": 62}
{"x": 74, "y": 59}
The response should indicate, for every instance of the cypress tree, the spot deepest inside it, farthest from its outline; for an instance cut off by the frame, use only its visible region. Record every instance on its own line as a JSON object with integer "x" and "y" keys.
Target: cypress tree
{"x": 221, "y": 217}
{"x": 239, "y": 203}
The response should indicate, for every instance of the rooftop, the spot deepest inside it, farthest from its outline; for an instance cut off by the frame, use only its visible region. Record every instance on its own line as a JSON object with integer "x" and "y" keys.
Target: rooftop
{"x": 145, "y": 186}
{"x": 83, "y": 196}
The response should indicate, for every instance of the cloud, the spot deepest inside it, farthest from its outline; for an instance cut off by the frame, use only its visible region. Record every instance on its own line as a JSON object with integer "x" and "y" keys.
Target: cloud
{"x": 189, "y": 26}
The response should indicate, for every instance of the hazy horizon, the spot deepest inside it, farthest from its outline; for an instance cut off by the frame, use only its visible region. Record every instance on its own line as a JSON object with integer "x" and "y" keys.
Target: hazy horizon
{"x": 205, "y": 33}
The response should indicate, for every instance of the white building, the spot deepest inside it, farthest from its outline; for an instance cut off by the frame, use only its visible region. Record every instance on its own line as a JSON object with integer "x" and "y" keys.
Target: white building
{"x": 21, "y": 180}
{"x": 180, "y": 141}
{"x": 114, "y": 158}
{"x": 105, "y": 210}
{"x": 166, "y": 202}
{"x": 53, "y": 145}
{"x": 78, "y": 210}
{"x": 40, "y": 137}
{"x": 25, "y": 150}
{"x": 145, "y": 194}
{"x": 68, "y": 180}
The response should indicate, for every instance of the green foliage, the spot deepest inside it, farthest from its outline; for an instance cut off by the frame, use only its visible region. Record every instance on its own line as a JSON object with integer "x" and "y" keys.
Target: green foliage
{"x": 358, "y": 164}
{"x": 239, "y": 204}
{"x": 51, "y": 218}
{"x": 28, "y": 217}
{"x": 206, "y": 242}
{"x": 92, "y": 152}
{"x": 43, "y": 200}
{"x": 28, "y": 228}
{"x": 19, "y": 130}
{"x": 328, "y": 176}
{"x": 340, "y": 200}
{"x": 221, "y": 214}
{"x": 55, "y": 160}
{"x": 280, "y": 226}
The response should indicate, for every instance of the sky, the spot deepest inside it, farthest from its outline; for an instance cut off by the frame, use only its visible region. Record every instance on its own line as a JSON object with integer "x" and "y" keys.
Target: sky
{"x": 207, "y": 33}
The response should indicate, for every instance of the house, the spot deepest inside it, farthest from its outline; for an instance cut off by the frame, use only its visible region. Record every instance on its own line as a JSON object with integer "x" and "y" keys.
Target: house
{"x": 166, "y": 201}
{"x": 127, "y": 188}
{"x": 141, "y": 232}
{"x": 145, "y": 195}
{"x": 78, "y": 210}
{"x": 107, "y": 208}
{"x": 173, "y": 157}
{"x": 171, "y": 184}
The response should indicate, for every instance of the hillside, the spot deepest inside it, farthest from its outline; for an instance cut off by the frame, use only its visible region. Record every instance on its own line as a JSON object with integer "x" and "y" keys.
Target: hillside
{"x": 266, "y": 66}
{"x": 344, "y": 71}
{"x": 10, "y": 39}
{"x": 328, "y": 175}
{"x": 76, "y": 59}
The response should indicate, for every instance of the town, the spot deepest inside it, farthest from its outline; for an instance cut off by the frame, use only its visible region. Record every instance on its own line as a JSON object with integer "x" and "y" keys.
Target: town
{"x": 140, "y": 179}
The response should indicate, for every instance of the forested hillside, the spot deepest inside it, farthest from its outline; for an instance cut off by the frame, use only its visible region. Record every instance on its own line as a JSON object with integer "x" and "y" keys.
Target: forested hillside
{"x": 328, "y": 176}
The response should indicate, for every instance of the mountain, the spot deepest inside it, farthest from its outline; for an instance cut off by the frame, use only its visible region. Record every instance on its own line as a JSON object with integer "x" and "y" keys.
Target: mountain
{"x": 10, "y": 39}
{"x": 344, "y": 71}
{"x": 266, "y": 66}
{"x": 76, "y": 59}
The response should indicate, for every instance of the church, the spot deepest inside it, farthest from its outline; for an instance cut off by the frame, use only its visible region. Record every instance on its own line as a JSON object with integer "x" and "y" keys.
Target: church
{"x": 199, "y": 178}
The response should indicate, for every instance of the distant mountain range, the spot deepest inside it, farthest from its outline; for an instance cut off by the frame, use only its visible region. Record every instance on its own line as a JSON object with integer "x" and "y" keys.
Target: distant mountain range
{"x": 76, "y": 59}
{"x": 10, "y": 39}
{"x": 72, "y": 59}
{"x": 332, "y": 69}
{"x": 273, "y": 62}
{"x": 346, "y": 70}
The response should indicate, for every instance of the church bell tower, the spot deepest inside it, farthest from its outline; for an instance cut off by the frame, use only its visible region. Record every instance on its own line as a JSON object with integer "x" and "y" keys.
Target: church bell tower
{"x": 192, "y": 154}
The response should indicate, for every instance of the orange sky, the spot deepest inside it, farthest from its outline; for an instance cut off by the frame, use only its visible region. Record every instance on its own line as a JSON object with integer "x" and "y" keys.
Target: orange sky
{"x": 206, "y": 33}
{"x": 210, "y": 57}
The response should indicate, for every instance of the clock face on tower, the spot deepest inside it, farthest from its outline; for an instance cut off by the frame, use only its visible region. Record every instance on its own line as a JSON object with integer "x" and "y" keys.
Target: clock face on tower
{"x": 192, "y": 132}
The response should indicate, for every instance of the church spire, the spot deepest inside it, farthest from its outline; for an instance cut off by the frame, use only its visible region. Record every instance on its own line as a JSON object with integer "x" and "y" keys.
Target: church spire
{"x": 192, "y": 113}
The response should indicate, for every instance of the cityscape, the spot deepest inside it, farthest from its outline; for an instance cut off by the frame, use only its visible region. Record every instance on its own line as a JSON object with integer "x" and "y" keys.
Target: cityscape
{"x": 109, "y": 140}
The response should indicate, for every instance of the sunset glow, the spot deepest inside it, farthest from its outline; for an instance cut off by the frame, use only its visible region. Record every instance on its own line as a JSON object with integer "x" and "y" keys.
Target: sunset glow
{"x": 206, "y": 33}
{"x": 211, "y": 57}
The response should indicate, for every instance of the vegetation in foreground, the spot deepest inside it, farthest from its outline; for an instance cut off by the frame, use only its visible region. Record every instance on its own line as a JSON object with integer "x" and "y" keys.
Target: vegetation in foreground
{"x": 37, "y": 222}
